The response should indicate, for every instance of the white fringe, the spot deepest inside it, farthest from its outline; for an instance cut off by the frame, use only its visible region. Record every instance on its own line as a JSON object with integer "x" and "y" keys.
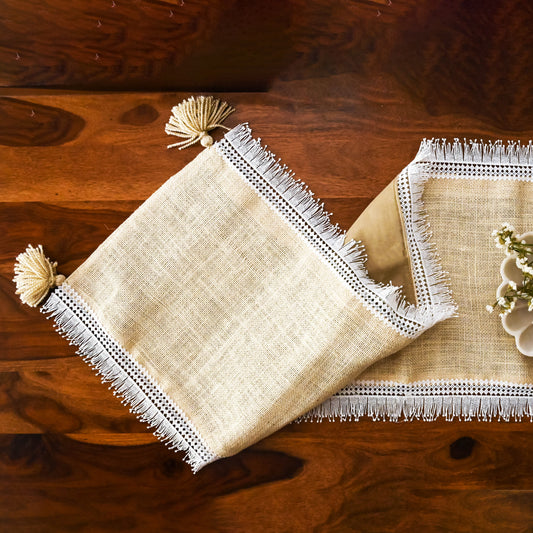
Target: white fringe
{"x": 78, "y": 325}
{"x": 292, "y": 198}
{"x": 467, "y": 400}
{"x": 474, "y": 151}
{"x": 431, "y": 282}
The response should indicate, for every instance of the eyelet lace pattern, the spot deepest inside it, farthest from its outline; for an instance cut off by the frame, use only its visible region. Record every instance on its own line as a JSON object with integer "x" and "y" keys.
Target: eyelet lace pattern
{"x": 76, "y": 322}
{"x": 428, "y": 400}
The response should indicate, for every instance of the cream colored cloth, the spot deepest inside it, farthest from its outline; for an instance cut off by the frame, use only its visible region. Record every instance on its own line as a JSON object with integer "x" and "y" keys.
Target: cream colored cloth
{"x": 466, "y": 367}
{"x": 227, "y": 305}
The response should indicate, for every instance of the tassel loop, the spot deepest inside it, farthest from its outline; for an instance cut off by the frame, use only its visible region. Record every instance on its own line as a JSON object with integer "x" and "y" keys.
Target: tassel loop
{"x": 194, "y": 118}
{"x": 35, "y": 275}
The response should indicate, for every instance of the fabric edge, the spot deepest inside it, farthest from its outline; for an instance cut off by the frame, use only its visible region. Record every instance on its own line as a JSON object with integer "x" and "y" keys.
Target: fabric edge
{"x": 463, "y": 400}
{"x": 76, "y": 322}
{"x": 431, "y": 282}
{"x": 405, "y": 239}
{"x": 474, "y": 151}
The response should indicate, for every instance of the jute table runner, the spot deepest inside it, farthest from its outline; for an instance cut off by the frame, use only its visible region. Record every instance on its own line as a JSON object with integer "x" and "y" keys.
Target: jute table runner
{"x": 227, "y": 305}
{"x": 453, "y": 195}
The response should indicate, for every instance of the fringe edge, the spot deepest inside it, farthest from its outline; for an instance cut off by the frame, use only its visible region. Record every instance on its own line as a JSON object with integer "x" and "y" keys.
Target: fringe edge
{"x": 426, "y": 408}
{"x": 474, "y": 151}
{"x": 431, "y": 281}
{"x": 295, "y": 193}
{"x": 91, "y": 349}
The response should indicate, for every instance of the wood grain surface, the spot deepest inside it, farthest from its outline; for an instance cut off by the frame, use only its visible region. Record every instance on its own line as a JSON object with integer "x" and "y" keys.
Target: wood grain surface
{"x": 343, "y": 92}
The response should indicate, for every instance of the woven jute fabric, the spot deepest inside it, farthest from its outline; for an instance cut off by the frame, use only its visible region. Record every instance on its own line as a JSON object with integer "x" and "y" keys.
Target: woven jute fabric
{"x": 473, "y": 345}
{"x": 238, "y": 320}
{"x": 227, "y": 305}
{"x": 466, "y": 367}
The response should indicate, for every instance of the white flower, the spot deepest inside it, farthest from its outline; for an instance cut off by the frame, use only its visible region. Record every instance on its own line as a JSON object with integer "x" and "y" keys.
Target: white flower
{"x": 520, "y": 262}
{"x": 506, "y": 239}
{"x": 524, "y": 267}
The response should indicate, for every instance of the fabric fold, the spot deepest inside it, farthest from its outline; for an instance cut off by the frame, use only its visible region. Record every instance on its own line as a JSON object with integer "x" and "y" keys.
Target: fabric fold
{"x": 451, "y": 196}
{"x": 227, "y": 305}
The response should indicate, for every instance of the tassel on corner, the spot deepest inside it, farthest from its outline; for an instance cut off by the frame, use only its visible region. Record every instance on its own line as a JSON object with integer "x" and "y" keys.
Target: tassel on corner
{"x": 35, "y": 275}
{"x": 194, "y": 118}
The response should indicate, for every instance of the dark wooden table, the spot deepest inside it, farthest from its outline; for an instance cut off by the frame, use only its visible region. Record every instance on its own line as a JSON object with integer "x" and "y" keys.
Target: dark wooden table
{"x": 342, "y": 91}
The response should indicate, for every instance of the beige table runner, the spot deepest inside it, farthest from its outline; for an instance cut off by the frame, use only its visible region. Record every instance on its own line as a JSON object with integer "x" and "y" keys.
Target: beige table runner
{"x": 227, "y": 305}
{"x": 467, "y": 367}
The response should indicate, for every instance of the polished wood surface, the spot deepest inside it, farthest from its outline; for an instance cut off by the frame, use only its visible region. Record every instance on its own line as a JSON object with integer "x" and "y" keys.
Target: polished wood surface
{"x": 343, "y": 92}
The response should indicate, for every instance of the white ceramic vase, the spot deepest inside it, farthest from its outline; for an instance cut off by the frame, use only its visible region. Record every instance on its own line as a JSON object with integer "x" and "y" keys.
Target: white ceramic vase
{"x": 519, "y": 322}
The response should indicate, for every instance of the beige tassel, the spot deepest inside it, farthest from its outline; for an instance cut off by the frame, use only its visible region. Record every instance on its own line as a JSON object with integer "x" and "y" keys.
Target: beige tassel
{"x": 35, "y": 275}
{"x": 193, "y": 118}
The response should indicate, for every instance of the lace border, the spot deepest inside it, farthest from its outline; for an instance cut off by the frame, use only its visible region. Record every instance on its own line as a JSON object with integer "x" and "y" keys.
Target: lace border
{"x": 465, "y": 400}
{"x": 77, "y": 323}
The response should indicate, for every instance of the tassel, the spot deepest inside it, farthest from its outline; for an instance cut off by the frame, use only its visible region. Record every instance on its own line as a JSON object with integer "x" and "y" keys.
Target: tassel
{"x": 193, "y": 118}
{"x": 35, "y": 275}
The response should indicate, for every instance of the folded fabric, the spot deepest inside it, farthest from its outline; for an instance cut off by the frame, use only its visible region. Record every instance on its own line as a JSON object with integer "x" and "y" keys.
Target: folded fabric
{"x": 467, "y": 367}
{"x": 227, "y": 305}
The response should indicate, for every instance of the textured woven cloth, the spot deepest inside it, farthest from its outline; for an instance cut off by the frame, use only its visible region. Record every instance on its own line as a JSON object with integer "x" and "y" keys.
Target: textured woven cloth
{"x": 467, "y": 367}
{"x": 227, "y": 305}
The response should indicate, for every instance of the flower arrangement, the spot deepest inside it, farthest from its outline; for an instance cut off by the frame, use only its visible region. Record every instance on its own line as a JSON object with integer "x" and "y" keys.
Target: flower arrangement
{"x": 522, "y": 289}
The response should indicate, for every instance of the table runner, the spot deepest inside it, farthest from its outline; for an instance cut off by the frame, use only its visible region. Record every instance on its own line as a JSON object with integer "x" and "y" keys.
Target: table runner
{"x": 227, "y": 305}
{"x": 467, "y": 367}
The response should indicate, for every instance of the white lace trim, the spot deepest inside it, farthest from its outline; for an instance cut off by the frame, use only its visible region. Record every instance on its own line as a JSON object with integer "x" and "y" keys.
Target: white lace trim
{"x": 429, "y": 279}
{"x": 76, "y": 322}
{"x": 292, "y": 199}
{"x": 476, "y": 160}
{"x": 428, "y": 400}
